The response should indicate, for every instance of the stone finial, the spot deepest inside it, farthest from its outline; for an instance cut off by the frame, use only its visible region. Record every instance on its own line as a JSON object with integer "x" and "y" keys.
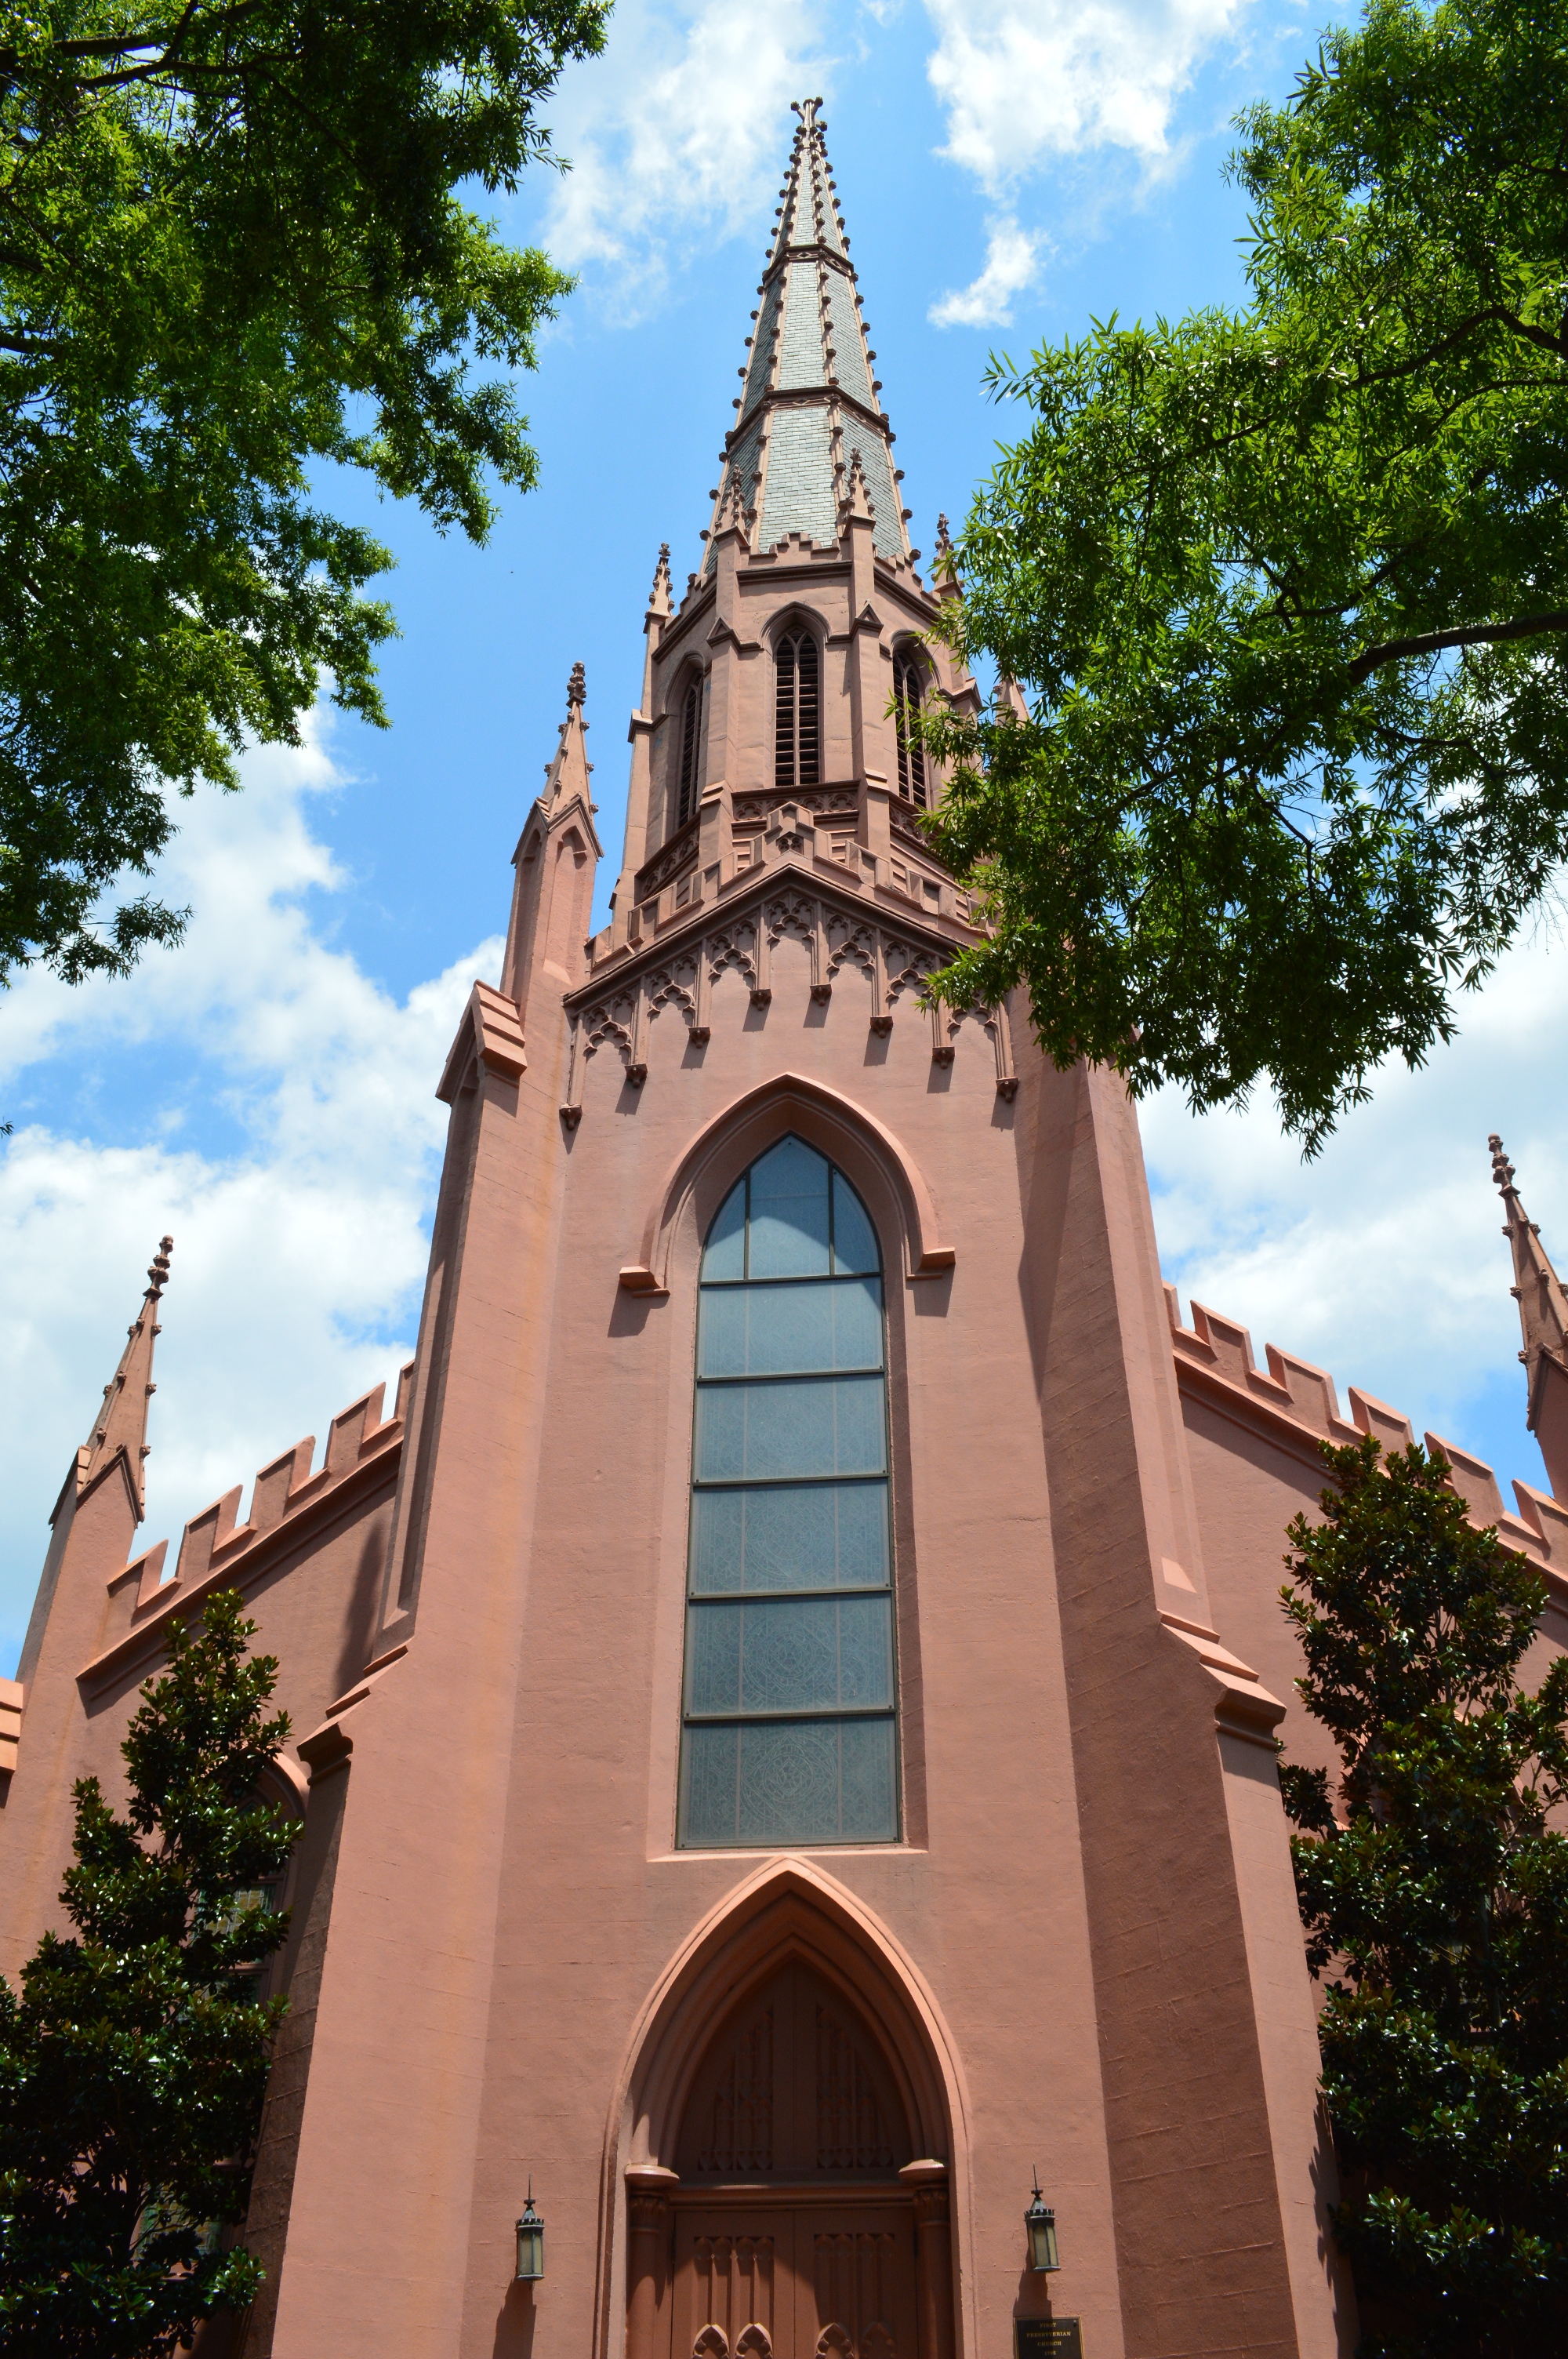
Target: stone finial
{"x": 1543, "y": 1323}
{"x": 577, "y": 687}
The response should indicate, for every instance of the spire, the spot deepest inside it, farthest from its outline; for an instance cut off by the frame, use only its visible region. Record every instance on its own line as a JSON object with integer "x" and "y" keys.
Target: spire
{"x": 808, "y": 409}
{"x": 567, "y": 773}
{"x": 1543, "y": 1321}
{"x": 123, "y": 1420}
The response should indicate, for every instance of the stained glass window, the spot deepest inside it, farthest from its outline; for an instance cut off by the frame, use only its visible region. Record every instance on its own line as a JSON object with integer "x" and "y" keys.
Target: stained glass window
{"x": 791, "y": 1709}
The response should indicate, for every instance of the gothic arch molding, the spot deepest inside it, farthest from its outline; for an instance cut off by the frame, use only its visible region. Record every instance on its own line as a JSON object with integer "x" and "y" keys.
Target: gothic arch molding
{"x": 869, "y": 1155}
{"x": 789, "y": 1907}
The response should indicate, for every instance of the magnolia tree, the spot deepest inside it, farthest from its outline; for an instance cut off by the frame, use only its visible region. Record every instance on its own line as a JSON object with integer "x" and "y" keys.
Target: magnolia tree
{"x": 134, "y": 2059}
{"x": 1433, "y": 1888}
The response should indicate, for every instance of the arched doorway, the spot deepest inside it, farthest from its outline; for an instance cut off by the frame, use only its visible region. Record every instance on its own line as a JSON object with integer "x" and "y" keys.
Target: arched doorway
{"x": 799, "y": 2219}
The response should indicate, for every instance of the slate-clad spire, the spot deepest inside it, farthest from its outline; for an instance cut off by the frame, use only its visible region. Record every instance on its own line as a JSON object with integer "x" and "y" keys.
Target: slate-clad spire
{"x": 121, "y": 1423}
{"x": 1543, "y": 1321}
{"x": 809, "y": 406}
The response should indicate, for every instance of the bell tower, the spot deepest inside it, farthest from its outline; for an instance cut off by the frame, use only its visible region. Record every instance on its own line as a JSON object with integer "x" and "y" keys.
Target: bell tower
{"x": 798, "y": 1786}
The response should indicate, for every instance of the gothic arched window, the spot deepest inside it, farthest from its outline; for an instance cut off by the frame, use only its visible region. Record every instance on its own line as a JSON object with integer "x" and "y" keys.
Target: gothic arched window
{"x": 797, "y": 710}
{"x": 906, "y": 688}
{"x": 690, "y": 750}
{"x": 790, "y": 1713}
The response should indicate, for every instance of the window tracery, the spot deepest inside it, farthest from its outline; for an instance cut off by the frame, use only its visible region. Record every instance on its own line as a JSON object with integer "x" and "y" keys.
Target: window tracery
{"x": 790, "y": 1706}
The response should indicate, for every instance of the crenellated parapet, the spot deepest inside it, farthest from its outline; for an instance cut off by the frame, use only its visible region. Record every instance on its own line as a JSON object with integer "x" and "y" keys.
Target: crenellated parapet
{"x": 1293, "y": 1401}
{"x": 292, "y": 1503}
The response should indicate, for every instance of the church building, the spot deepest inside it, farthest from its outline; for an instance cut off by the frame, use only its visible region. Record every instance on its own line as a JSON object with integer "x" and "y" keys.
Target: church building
{"x": 785, "y": 1698}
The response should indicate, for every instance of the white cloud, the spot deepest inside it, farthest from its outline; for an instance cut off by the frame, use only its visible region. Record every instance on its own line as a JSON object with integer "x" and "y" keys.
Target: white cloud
{"x": 300, "y": 1252}
{"x": 679, "y": 127}
{"x": 1022, "y": 83}
{"x": 1383, "y": 1261}
{"x": 1012, "y": 264}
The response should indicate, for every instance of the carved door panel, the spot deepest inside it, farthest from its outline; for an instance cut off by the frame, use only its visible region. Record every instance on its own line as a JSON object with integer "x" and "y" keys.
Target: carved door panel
{"x": 819, "y": 2282}
{"x": 855, "y": 2294}
{"x": 732, "y": 2288}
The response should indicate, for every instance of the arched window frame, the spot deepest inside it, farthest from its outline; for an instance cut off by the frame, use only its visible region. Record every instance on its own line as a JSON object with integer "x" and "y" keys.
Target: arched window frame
{"x": 691, "y": 716}
{"x": 911, "y": 683}
{"x": 904, "y": 1817}
{"x": 797, "y": 702}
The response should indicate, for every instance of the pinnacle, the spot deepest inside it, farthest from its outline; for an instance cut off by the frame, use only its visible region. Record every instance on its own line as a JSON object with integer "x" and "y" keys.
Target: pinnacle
{"x": 121, "y": 1423}
{"x": 1542, "y": 1303}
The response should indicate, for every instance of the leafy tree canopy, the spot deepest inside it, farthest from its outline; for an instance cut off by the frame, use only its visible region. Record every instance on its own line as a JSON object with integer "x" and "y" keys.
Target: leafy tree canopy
{"x": 230, "y": 247}
{"x": 133, "y": 2063}
{"x": 1435, "y": 1892}
{"x": 1287, "y": 591}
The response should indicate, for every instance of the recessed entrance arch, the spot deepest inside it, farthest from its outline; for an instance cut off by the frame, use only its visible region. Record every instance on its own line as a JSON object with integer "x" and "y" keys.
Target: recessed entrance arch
{"x": 788, "y": 2193}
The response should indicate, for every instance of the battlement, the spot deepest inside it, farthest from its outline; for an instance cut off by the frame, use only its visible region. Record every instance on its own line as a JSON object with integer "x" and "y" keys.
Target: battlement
{"x": 1215, "y": 1357}
{"x": 288, "y": 1500}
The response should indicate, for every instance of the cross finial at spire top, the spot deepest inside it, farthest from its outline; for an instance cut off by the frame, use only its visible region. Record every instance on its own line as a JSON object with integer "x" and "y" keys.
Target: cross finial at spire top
{"x": 577, "y": 687}
{"x": 158, "y": 1272}
{"x": 806, "y": 110}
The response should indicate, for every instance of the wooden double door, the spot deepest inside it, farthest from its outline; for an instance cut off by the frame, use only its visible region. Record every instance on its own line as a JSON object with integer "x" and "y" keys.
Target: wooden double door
{"x": 793, "y": 2278}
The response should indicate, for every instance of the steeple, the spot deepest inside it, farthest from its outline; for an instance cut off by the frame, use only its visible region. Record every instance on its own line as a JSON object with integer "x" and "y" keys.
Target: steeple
{"x": 808, "y": 407}
{"x": 1543, "y": 1320}
{"x": 121, "y": 1423}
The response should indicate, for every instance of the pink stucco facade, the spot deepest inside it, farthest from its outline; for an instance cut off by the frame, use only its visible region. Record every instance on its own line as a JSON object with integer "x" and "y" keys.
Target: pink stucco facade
{"x": 1080, "y": 1955}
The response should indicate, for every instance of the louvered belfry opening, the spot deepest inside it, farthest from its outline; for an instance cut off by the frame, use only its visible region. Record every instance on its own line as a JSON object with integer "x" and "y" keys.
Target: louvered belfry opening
{"x": 798, "y": 712}
{"x": 690, "y": 749}
{"x": 907, "y": 686}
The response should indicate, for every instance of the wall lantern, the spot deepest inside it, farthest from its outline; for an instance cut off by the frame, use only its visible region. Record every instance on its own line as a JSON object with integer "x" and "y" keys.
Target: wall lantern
{"x": 530, "y": 2240}
{"x": 1040, "y": 2222}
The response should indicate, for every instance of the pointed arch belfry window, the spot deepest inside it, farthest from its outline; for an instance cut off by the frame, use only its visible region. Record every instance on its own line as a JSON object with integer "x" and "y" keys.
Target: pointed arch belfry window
{"x": 797, "y": 710}
{"x": 790, "y": 1715}
{"x": 906, "y": 694}
{"x": 690, "y": 783}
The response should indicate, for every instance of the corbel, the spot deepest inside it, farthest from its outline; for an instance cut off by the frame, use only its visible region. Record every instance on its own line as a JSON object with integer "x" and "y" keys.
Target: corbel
{"x": 881, "y": 1019}
{"x": 571, "y": 1111}
{"x": 941, "y": 1044}
{"x": 701, "y": 1030}
{"x": 636, "y": 1063}
{"x": 821, "y": 982}
{"x": 1006, "y": 1076}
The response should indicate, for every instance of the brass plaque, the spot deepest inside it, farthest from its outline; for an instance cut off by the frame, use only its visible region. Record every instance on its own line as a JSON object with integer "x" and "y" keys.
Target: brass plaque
{"x": 1048, "y": 2338}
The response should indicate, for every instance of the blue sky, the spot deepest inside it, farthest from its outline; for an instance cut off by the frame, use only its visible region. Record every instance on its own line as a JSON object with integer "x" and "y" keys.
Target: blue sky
{"x": 1007, "y": 171}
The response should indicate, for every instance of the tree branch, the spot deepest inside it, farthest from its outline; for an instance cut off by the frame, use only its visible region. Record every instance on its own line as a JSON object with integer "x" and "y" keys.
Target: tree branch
{"x": 1432, "y": 643}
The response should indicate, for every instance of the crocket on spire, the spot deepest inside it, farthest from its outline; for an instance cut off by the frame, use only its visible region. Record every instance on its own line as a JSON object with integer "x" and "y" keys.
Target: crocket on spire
{"x": 1543, "y": 1320}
